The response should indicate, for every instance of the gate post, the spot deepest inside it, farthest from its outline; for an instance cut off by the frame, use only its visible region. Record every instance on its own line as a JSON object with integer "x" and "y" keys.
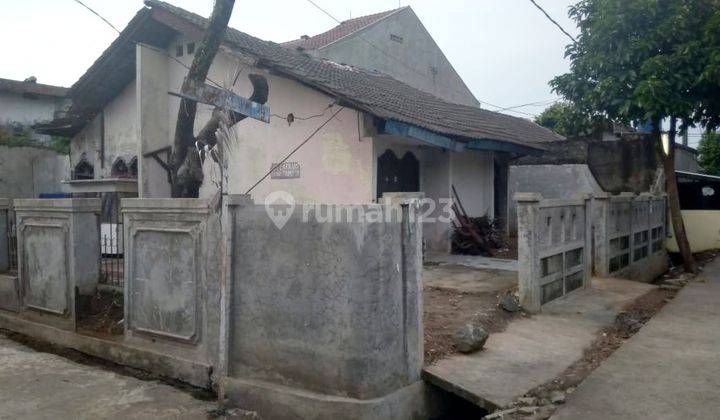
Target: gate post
{"x": 528, "y": 259}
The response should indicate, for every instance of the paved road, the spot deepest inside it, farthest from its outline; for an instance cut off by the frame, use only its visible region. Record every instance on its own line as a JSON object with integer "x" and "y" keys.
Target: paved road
{"x": 35, "y": 385}
{"x": 669, "y": 370}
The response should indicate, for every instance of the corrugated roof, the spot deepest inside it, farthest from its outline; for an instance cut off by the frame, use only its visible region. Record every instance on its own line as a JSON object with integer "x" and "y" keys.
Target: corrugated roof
{"x": 379, "y": 94}
{"x": 340, "y": 31}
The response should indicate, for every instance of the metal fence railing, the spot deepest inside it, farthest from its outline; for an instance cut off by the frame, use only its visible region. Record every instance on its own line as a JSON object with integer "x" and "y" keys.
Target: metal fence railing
{"x": 8, "y": 236}
{"x": 112, "y": 244}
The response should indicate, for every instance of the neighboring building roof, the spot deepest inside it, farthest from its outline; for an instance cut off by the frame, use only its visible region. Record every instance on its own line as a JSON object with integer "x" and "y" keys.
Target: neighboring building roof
{"x": 32, "y": 88}
{"x": 342, "y": 30}
{"x": 375, "y": 93}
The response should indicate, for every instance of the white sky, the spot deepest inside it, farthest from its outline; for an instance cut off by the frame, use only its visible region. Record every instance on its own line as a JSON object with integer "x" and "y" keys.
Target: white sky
{"x": 505, "y": 50}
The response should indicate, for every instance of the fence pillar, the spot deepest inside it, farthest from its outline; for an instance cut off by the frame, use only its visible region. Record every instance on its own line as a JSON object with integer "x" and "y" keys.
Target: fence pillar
{"x": 600, "y": 218}
{"x": 58, "y": 256}
{"x": 528, "y": 259}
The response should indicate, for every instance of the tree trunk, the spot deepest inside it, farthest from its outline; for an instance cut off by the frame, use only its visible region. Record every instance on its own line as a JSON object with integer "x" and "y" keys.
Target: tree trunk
{"x": 668, "y": 162}
{"x": 185, "y": 168}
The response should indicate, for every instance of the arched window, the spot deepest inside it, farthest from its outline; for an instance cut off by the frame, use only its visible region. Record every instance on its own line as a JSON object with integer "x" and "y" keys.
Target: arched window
{"x": 119, "y": 169}
{"x": 397, "y": 175}
{"x": 84, "y": 170}
{"x": 133, "y": 167}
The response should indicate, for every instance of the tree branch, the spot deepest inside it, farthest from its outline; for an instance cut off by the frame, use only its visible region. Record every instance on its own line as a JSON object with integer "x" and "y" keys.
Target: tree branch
{"x": 186, "y": 173}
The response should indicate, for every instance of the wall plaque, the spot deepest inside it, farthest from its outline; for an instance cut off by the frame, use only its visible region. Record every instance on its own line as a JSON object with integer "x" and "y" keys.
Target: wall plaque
{"x": 285, "y": 170}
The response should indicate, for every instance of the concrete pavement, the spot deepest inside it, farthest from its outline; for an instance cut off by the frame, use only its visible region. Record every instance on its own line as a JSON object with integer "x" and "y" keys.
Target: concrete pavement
{"x": 36, "y": 385}
{"x": 533, "y": 351}
{"x": 669, "y": 370}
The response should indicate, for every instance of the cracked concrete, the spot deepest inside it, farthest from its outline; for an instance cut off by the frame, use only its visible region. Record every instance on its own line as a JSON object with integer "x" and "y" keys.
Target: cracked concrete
{"x": 36, "y": 385}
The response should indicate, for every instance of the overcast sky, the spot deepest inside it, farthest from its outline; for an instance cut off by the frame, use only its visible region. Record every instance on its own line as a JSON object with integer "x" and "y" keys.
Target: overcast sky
{"x": 505, "y": 50}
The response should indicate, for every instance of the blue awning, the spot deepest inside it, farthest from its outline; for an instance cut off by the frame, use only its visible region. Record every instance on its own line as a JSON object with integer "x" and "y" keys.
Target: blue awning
{"x": 448, "y": 143}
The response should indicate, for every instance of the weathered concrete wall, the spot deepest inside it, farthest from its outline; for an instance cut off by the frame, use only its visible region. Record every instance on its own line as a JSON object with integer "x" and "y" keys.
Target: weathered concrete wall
{"x": 153, "y": 122}
{"x": 550, "y": 181}
{"x": 109, "y": 136}
{"x": 426, "y": 67}
{"x": 172, "y": 270}
{"x": 630, "y": 236}
{"x": 58, "y": 257}
{"x": 330, "y": 327}
{"x": 25, "y": 172}
{"x": 335, "y": 166}
{"x": 437, "y": 186}
{"x": 554, "y": 248}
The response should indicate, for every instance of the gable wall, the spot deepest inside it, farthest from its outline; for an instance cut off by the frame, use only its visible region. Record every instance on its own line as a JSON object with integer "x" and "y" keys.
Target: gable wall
{"x": 418, "y": 51}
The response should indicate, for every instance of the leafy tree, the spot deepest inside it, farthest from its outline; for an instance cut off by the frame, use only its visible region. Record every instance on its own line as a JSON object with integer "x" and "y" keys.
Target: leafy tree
{"x": 648, "y": 61}
{"x": 565, "y": 119}
{"x": 709, "y": 153}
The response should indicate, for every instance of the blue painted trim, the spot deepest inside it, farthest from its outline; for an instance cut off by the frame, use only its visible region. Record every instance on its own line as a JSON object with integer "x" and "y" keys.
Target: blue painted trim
{"x": 427, "y": 136}
{"x": 501, "y": 146}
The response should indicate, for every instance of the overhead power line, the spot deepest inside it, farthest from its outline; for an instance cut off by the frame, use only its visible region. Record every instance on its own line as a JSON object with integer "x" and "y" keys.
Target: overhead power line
{"x": 317, "y": 130}
{"x": 554, "y": 21}
{"x": 220, "y": 86}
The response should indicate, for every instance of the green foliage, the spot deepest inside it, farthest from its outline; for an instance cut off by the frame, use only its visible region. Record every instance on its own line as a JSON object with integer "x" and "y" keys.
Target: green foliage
{"x": 24, "y": 137}
{"x": 709, "y": 153}
{"x": 640, "y": 60}
{"x": 565, "y": 119}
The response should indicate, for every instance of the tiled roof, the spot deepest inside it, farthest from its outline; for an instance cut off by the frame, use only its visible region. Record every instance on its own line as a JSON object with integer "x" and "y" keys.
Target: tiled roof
{"x": 33, "y": 88}
{"x": 377, "y": 93}
{"x": 340, "y": 31}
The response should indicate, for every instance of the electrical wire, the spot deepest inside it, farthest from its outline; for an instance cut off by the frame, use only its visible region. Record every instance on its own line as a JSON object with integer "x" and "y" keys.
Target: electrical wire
{"x": 220, "y": 86}
{"x": 553, "y": 21}
{"x": 317, "y": 130}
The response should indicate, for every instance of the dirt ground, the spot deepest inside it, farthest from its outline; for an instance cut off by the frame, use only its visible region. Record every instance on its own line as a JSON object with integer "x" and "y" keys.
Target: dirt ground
{"x": 102, "y": 315}
{"x": 448, "y": 310}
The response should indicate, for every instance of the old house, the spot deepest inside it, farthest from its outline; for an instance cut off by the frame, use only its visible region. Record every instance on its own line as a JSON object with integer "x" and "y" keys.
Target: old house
{"x": 28, "y": 165}
{"x": 396, "y": 43}
{"x": 387, "y": 136}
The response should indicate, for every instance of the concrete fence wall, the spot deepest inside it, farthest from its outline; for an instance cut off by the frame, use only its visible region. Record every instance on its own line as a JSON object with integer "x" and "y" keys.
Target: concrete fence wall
{"x": 324, "y": 318}
{"x": 321, "y": 318}
{"x": 172, "y": 270}
{"x": 554, "y": 248}
{"x": 629, "y": 237}
{"x": 58, "y": 258}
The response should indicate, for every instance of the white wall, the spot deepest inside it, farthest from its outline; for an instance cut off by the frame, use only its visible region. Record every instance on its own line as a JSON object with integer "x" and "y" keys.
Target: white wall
{"x": 26, "y": 111}
{"x": 120, "y": 124}
{"x": 336, "y": 164}
{"x": 472, "y": 174}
